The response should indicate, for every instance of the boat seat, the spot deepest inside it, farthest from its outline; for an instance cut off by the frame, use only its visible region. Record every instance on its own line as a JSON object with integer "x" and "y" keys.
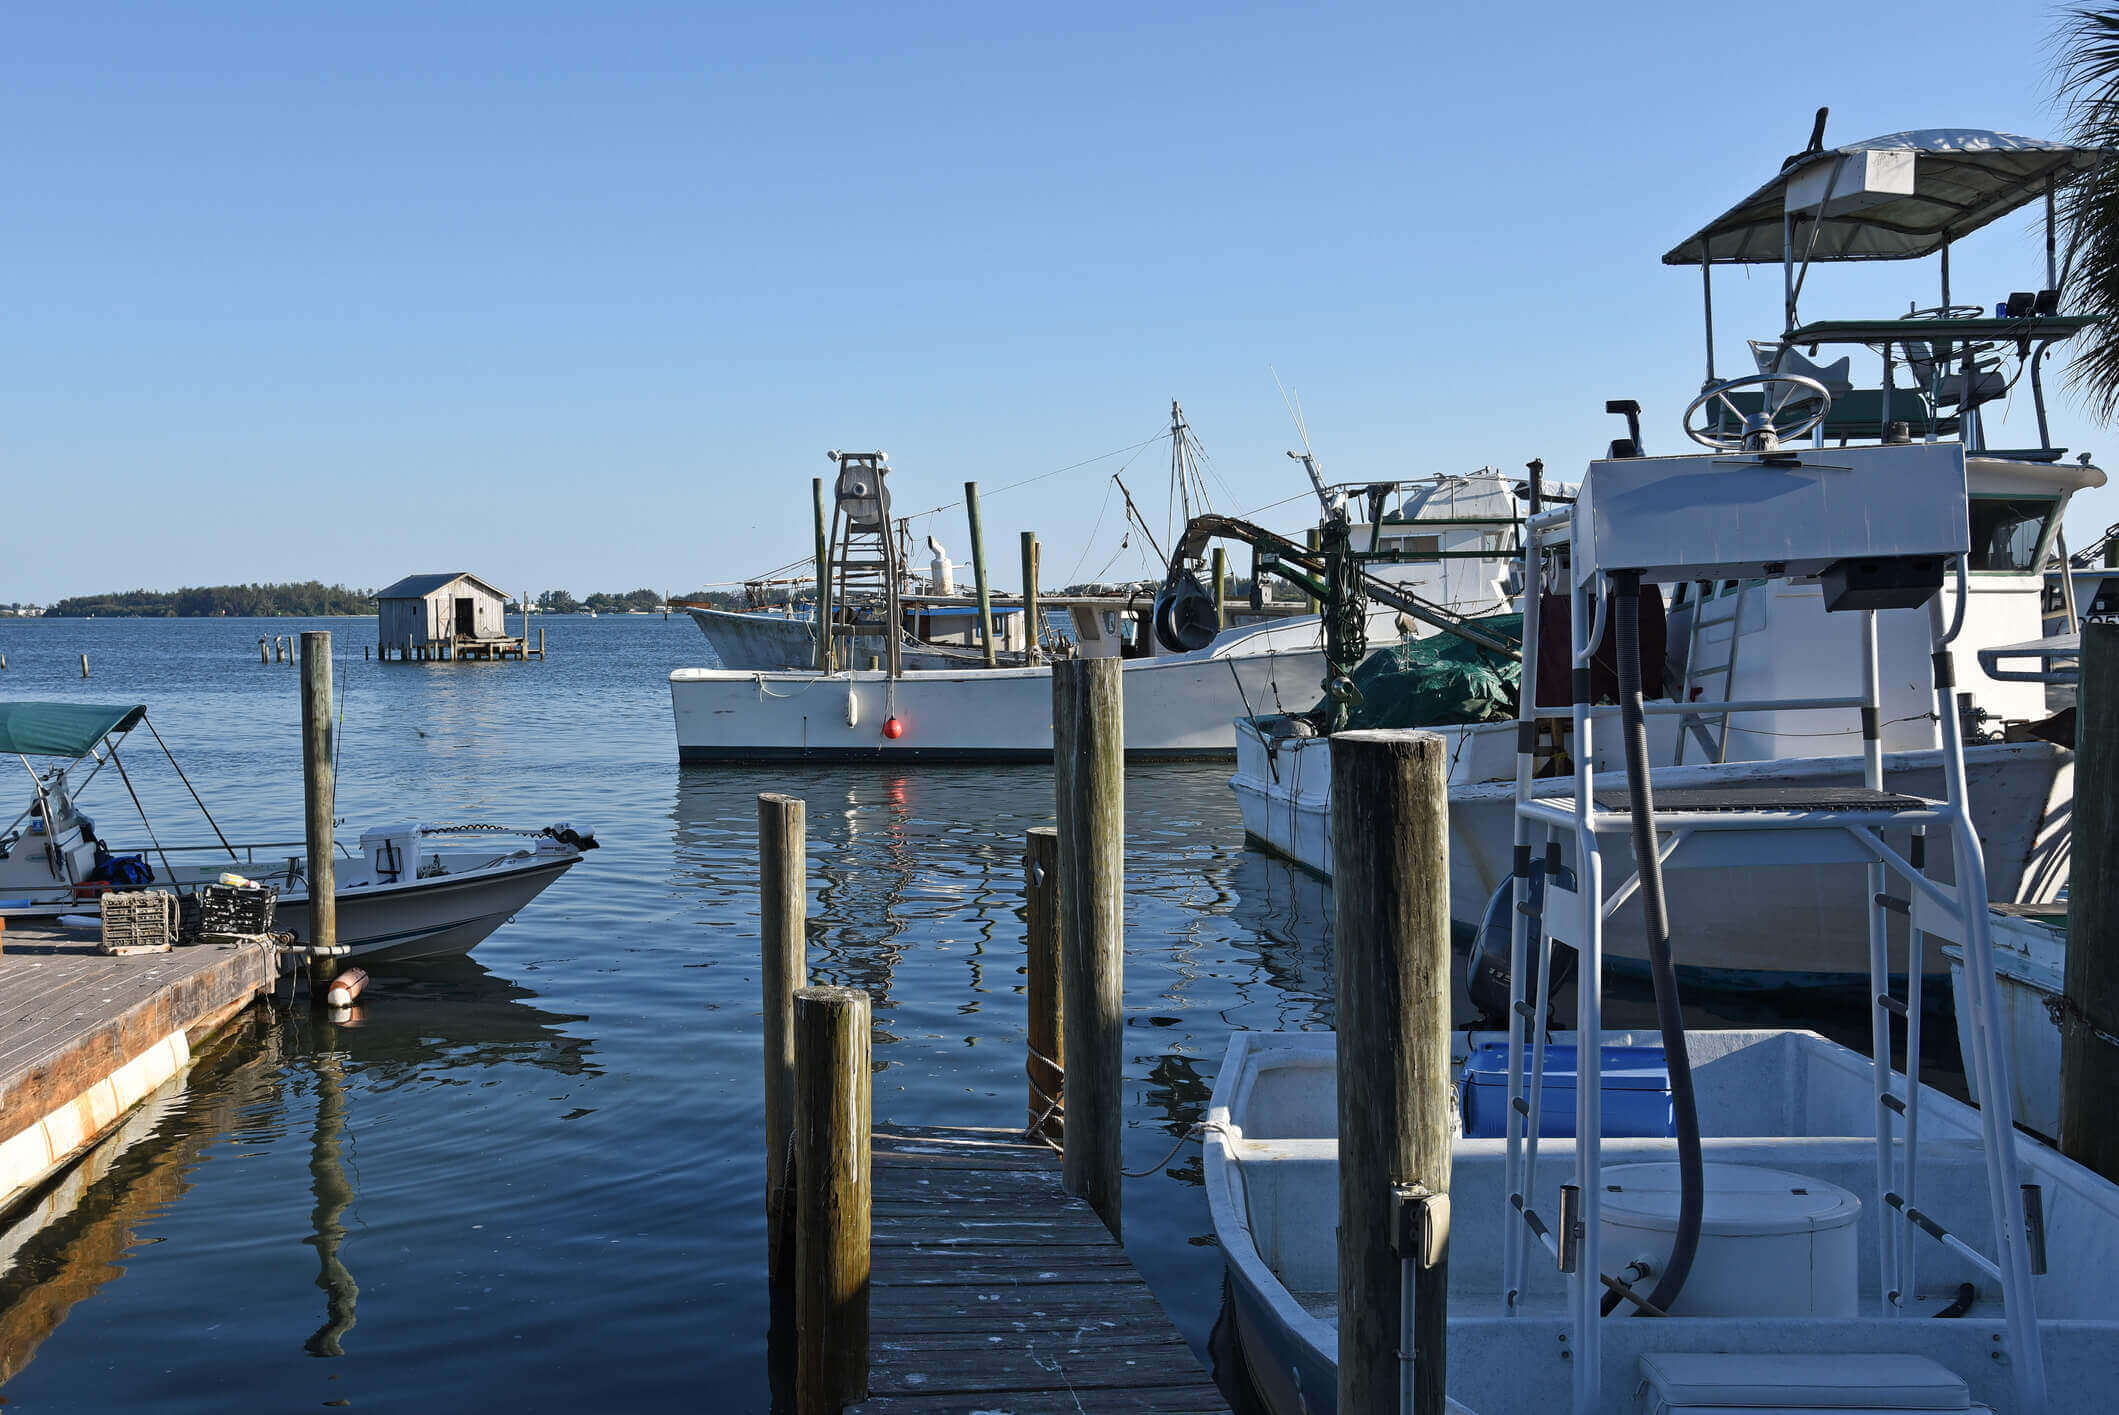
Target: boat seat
{"x": 1682, "y": 1383}
{"x": 1859, "y": 412}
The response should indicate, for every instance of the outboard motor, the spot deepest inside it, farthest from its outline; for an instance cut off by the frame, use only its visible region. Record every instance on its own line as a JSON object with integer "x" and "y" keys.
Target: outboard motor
{"x": 1184, "y": 616}
{"x": 1486, "y": 976}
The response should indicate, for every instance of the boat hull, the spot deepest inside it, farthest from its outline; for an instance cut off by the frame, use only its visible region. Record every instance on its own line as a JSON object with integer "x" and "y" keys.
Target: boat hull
{"x": 1737, "y": 929}
{"x": 1176, "y": 706}
{"x": 429, "y": 918}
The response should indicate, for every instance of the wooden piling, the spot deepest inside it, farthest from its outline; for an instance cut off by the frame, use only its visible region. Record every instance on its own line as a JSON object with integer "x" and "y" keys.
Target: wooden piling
{"x": 2089, "y": 1062}
{"x": 84, "y": 665}
{"x": 1390, "y": 896}
{"x": 540, "y": 643}
{"x": 978, "y": 570}
{"x": 264, "y": 656}
{"x": 319, "y": 794}
{"x": 1032, "y": 624}
{"x": 1315, "y": 540}
{"x": 783, "y": 901}
{"x": 1221, "y": 587}
{"x": 1046, "y": 1061}
{"x": 1088, "y": 739}
{"x": 832, "y": 1214}
{"x": 824, "y": 644}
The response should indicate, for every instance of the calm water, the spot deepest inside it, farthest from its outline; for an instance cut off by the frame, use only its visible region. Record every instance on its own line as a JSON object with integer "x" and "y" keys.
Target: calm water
{"x": 541, "y": 1167}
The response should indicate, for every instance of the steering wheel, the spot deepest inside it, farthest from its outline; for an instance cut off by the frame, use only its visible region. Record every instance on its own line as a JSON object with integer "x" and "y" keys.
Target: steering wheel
{"x": 1761, "y": 433}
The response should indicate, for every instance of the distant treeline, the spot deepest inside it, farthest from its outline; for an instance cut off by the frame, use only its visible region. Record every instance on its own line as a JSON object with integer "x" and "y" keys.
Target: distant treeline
{"x": 602, "y": 602}
{"x": 308, "y": 599}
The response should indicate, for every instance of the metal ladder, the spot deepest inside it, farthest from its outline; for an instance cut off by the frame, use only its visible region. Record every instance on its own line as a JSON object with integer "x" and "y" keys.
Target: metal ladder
{"x": 1695, "y": 724}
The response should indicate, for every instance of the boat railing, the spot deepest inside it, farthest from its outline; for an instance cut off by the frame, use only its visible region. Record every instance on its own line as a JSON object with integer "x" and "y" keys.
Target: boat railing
{"x": 248, "y": 850}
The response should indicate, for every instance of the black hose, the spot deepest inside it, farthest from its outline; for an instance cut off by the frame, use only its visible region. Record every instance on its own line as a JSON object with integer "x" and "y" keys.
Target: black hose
{"x": 1692, "y": 1196}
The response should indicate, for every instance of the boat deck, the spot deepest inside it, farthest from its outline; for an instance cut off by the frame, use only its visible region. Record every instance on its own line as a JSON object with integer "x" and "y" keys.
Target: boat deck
{"x": 85, "y": 1036}
{"x": 992, "y": 1288}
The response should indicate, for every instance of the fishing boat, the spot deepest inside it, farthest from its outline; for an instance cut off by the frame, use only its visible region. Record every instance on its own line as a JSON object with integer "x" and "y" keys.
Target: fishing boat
{"x": 1186, "y": 676}
{"x": 1737, "y": 641}
{"x": 412, "y": 891}
{"x": 1757, "y": 1220}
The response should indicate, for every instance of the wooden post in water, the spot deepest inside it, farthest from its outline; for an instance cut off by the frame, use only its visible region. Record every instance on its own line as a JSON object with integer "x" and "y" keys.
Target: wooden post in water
{"x": 1221, "y": 588}
{"x": 2089, "y": 1064}
{"x": 1390, "y": 895}
{"x": 540, "y": 643}
{"x": 1088, "y": 745}
{"x": 824, "y": 644}
{"x": 1047, "y": 1060}
{"x": 263, "y": 656}
{"x": 319, "y": 794}
{"x": 831, "y": 1119}
{"x": 783, "y": 899}
{"x": 1032, "y": 624}
{"x": 978, "y": 570}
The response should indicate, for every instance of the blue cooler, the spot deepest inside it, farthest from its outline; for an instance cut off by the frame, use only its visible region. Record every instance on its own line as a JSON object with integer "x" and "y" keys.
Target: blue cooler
{"x": 1636, "y": 1093}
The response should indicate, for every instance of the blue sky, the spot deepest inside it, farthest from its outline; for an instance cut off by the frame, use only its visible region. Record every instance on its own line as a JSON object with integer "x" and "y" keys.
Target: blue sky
{"x": 580, "y": 295}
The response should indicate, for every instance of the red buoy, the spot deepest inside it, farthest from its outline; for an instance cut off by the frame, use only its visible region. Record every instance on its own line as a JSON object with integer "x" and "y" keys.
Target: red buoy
{"x": 893, "y": 729}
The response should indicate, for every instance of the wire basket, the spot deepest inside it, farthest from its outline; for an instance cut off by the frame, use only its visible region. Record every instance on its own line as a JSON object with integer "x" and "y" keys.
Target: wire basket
{"x": 139, "y": 921}
{"x": 237, "y": 908}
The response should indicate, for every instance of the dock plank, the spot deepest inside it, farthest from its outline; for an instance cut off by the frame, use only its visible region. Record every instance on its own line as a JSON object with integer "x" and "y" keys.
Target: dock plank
{"x": 71, "y": 1016}
{"x": 993, "y": 1289}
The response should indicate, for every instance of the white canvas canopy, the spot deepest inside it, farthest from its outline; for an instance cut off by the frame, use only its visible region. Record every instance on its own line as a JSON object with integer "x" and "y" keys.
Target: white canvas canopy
{"x": 1963, "y": 178}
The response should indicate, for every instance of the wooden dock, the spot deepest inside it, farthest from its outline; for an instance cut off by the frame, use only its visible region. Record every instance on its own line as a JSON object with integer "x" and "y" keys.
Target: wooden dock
{"x": 85, "y": 1037}
{"x": 992, "y": 1289}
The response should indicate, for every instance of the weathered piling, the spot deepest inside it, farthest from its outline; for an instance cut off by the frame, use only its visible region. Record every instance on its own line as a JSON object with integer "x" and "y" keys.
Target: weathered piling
{"x": 1046, "y": 1062}
{"x": 1390, "y": 895}
{"x": 319, "y": 794}
{"x": 1088, "y": 739}
{"x": 1032, "y": 623}
{"x": 783, "y": 907}
{"x": 540, "y": 642}
{"x": 84, "y": 665}
{"x": 832, "y": 1211}
{"x": 1221, "y": 587}
{"x": 264, "y": 653}
{"x": 978, "y": 570}
{"x": 2089, "y": 1061}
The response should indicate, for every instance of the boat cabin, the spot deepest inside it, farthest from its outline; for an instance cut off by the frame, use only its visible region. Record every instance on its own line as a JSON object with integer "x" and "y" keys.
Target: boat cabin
{"x": 1935, "y": 373}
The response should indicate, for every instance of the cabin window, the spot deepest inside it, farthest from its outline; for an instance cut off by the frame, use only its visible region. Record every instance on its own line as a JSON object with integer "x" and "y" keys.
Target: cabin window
{"x": 1415, "y": 548}
{"x": 2007, "y": 532}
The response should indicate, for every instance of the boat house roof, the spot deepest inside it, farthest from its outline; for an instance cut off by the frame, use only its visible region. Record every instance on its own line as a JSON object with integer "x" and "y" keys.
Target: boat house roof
{"x": 1963, "y": 178}
{"x": 420, "y": 586}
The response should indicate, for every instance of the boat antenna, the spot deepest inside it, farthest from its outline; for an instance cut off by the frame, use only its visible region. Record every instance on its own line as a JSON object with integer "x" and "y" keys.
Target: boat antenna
{"x": 148, "y": 723}
{"x": 1308, "y": 455}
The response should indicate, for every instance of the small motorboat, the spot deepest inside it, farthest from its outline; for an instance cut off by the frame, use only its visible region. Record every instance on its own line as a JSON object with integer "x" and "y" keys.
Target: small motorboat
{"x": 412, "y": 890}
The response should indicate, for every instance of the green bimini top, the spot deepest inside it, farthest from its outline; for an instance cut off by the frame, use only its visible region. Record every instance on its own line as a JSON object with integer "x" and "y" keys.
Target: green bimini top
{"x": 68, "y": 730}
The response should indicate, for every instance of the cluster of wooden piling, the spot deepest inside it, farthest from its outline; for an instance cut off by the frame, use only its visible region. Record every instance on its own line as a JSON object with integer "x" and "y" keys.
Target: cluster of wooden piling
{"x": 494, "y": 650}
{"x": 837, "y": 1243}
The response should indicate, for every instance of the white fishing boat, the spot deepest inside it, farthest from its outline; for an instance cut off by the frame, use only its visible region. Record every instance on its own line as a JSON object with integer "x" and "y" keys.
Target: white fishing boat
{"x": 1786, "y": 1102}
{"x": 1185, "y": 681}
{"x": 412, "y": 891}
{"x": 1752, "y": 1220}
{"x": 1738, "y": 640}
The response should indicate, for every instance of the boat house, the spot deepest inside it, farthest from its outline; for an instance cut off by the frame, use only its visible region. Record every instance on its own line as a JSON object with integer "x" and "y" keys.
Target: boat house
{"x": 443, "y": 616}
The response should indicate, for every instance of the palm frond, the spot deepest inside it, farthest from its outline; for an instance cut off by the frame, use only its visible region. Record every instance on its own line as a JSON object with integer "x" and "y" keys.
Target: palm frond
{"x": 2087, "y": 76}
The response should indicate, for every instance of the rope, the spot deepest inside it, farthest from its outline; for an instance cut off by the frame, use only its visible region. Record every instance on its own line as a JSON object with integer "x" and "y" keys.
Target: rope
{"x": 1054, "y": 1105}
{"x": 1192, "y": 1132}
